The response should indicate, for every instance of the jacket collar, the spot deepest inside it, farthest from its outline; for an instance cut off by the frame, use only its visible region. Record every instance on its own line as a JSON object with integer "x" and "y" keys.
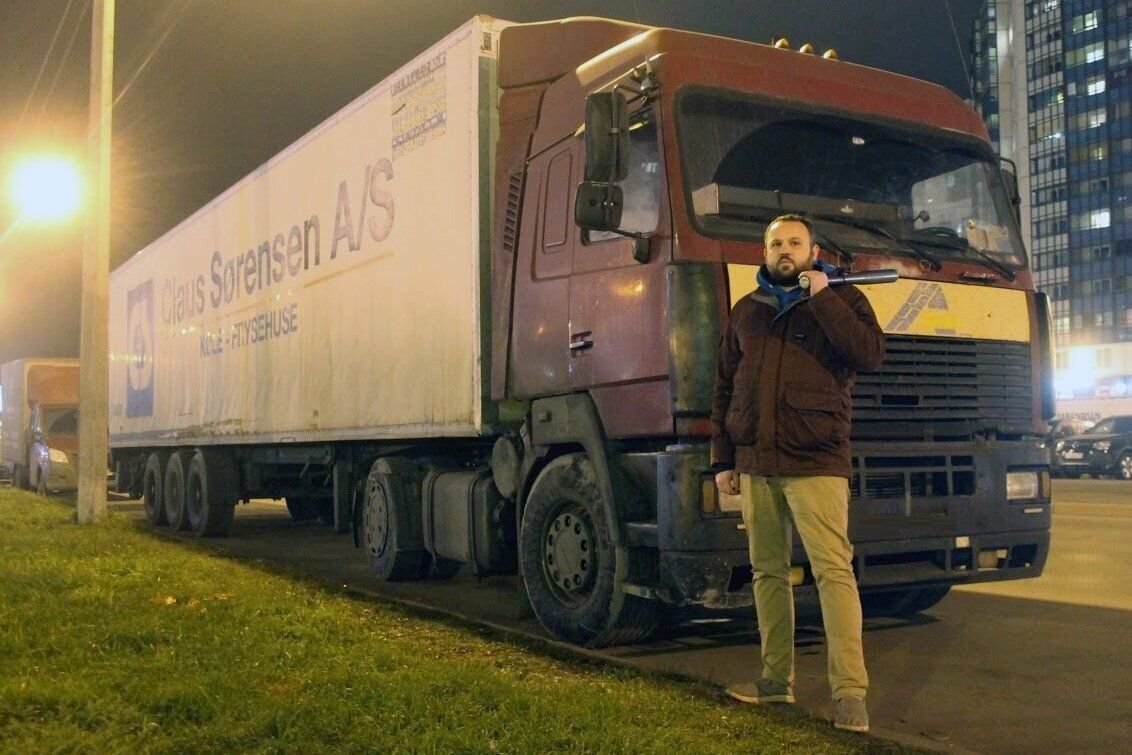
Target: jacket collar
{"x": 785, "y": 298}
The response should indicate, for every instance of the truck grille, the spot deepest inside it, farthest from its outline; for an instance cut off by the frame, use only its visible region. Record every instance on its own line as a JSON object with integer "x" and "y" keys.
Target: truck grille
{"x": 910, "y": 484}
{"x": 944, "y": 389}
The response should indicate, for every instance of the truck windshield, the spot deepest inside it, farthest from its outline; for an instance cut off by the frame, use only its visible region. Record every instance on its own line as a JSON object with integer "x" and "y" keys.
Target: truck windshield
{"x": 902, "y": 190}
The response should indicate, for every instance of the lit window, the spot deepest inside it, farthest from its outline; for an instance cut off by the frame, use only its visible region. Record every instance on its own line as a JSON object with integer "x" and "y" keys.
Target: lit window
{"x": 1099, "y": 218}
{"x": 1085, "y": 22}
{"x": 1096, "y": 86}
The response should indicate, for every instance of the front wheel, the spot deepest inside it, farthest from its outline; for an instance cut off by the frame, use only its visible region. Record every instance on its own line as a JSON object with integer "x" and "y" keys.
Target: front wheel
{"x": 574, "y": 574}
{"x": 1124, "y": 466}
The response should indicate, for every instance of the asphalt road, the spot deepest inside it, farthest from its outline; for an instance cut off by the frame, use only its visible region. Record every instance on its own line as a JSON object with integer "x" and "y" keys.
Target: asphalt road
{"x": 1019, "y": 667}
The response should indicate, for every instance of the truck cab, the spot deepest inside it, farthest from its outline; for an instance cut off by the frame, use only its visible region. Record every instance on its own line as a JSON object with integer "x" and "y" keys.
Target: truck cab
{"x": 634, "y": 185}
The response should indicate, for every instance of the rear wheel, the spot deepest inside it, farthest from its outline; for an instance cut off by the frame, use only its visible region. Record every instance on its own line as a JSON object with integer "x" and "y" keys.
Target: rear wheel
{"x": 211, "y": 491}
{"x": 391, "y": 530}
{"x": 153, "y": 479}
{"x": 902, "y": 602}
{"x": 173, "y": 491}
{"x": 574, "y": 574}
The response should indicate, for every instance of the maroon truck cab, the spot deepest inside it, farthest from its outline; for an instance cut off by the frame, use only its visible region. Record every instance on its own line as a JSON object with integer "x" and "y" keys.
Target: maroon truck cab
{"x": 609, "y": 331}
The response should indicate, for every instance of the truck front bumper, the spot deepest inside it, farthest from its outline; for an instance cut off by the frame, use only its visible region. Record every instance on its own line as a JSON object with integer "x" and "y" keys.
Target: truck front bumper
{"x": 981, "y": 537}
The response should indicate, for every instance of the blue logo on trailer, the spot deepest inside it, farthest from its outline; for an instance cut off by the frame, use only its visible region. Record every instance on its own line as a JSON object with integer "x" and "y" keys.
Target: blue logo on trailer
{"x": 139, "y": 342}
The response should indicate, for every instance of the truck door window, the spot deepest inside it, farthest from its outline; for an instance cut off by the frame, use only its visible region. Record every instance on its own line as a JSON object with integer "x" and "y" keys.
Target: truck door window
{"x": 641, "y": 186}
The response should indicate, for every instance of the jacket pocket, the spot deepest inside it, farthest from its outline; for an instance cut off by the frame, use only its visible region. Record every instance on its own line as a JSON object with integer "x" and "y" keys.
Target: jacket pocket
{"x": 741, "y": 420}
{"x": 815, "y": 419}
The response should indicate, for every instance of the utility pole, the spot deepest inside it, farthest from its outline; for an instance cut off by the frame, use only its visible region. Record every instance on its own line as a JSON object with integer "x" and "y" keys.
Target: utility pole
{"x": 94, "y": 361}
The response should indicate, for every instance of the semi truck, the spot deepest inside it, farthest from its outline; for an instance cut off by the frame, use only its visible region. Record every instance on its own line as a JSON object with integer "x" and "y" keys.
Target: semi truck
{"x": 40, "y": 417}
{"x": 473, "y": 317}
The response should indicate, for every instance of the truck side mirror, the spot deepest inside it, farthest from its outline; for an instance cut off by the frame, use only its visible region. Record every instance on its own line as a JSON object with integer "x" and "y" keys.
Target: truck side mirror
{"x": 598, "y": 206}
{"x": 607, "y": 137}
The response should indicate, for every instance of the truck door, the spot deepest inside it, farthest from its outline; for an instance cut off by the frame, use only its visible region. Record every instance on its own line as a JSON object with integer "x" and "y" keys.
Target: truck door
{"x": 618, "y": 328}
{"x": 540, "y": 345}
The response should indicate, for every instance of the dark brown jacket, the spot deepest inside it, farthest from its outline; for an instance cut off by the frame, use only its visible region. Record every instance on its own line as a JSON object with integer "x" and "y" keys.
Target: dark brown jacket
{"x": 782, "y": 392}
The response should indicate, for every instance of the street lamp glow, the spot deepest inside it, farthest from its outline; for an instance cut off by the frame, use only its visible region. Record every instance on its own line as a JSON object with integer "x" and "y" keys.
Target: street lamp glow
{"x": 46, "y": 189}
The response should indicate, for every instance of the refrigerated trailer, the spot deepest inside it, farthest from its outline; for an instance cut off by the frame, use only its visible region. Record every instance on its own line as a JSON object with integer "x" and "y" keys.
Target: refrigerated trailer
{"x": 474, "y": 317}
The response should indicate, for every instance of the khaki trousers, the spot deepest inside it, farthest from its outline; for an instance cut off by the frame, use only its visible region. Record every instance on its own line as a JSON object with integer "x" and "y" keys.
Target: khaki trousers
{"x": 819, "y": 508}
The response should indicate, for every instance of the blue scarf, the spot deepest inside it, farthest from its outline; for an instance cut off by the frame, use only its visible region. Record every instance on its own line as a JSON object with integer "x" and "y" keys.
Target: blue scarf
{"x": 788, "y": 297}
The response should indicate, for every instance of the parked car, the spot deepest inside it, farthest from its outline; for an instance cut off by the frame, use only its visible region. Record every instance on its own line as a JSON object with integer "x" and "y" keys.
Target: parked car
{"x": 1058, "y": 429}
{"x": 1103, "y": 449}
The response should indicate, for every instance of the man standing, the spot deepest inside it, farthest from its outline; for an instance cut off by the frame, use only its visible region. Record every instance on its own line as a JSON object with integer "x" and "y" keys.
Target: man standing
{"x": 780, "y": 441}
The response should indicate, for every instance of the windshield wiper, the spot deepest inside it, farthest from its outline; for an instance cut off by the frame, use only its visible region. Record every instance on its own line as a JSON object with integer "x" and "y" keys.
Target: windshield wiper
{"x": 879, "y": 230}
{"x": 949, "y": 239}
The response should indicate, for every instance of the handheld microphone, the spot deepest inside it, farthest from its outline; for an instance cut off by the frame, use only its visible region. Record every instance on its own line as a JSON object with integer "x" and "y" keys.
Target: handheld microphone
{"x": 887, "y": 275}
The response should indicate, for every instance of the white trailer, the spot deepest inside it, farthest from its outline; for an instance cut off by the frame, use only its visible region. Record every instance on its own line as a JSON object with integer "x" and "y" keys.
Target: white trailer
{"x": 337, "y": 292}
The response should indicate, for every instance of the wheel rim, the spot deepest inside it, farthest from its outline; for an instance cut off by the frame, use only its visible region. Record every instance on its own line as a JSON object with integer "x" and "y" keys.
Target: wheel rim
{"x": 1126, "y": 466}
{"x": 377, "y": 520}
{"x": 194, "y": 502}
{"x": 172, "y": 501}
{"x": 568, "y": 555}
{"x": 149, "y": 494}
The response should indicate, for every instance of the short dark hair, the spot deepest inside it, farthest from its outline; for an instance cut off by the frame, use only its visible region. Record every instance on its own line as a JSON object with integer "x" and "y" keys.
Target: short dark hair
{"x": 792, "y": 217}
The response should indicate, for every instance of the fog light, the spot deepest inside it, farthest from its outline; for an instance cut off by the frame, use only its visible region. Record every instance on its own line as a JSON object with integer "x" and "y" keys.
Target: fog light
{"x": 992, "y": 559}
{"x": 1021, "y": 485}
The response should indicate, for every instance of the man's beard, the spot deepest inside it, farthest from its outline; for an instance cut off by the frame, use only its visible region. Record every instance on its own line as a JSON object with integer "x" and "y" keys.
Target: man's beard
{"x": 789, "y": 279}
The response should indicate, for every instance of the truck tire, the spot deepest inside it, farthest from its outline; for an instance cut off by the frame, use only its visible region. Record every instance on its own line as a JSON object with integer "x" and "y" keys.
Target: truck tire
{"x": 574, "y": 575}
{"x": 173, "y": 491}
{"x": 153, "y": 482}
{"x": 391, "y": 529}
{"x": 211, "y": 491}
{"x": 900, "y": 603}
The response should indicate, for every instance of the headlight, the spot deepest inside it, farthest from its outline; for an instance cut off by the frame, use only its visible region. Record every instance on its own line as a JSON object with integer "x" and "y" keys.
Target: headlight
{"x": 1060, "y": 445}
{"x": 57, "y": 456}
{"x": 1102, "y": 446}
{"x": 1021, "y": 485}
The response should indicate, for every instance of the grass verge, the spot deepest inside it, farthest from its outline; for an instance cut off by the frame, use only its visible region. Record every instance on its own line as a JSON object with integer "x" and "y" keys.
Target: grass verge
{"x": 115, "y": 641}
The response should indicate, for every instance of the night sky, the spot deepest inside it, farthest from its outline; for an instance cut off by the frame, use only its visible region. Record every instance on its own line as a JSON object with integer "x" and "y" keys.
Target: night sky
{"x": 207, "y": 90}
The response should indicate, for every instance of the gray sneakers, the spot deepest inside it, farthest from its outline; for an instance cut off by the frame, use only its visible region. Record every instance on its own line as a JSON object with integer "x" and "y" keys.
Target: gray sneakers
{"x": 852, "y": 715}
{"x": 761, "y": 692}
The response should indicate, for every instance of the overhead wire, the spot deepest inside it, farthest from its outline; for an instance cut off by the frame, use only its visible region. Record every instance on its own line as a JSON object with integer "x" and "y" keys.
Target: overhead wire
{"x": 66, "y": 54}
{"x": 959, "y": 47}
{"x": 47, "y": 59}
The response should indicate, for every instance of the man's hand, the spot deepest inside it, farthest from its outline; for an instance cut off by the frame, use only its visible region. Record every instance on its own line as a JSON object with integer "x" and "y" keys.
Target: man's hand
{"x": 728, "y": 482}
{"x": 817, "y": 280}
